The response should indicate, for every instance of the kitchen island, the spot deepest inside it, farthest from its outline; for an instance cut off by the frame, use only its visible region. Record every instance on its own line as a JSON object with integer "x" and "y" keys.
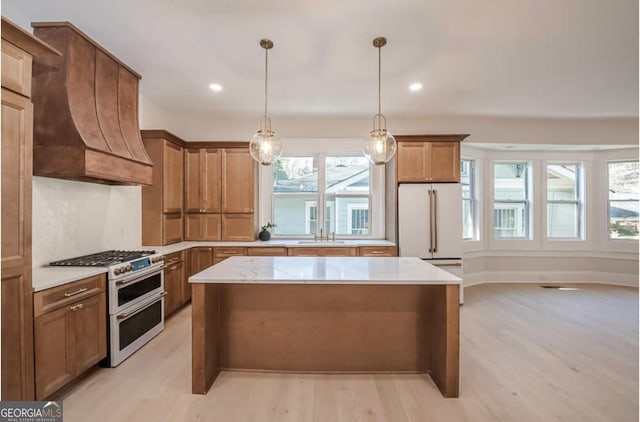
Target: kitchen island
{"x": 325, "y": 315}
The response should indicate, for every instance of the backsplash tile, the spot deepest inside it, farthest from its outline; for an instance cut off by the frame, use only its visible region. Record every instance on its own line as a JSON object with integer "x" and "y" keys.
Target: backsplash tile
{"x": 76, "y": 218}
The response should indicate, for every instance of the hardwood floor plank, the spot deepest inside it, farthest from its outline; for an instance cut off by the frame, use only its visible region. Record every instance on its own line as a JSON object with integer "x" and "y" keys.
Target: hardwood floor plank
{"x": 526, "y": 354}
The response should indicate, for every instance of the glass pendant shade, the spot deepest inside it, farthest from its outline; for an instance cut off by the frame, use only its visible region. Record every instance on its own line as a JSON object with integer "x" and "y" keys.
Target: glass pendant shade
{"x": 265, "y": 147}
{"x": 380, "y": 147}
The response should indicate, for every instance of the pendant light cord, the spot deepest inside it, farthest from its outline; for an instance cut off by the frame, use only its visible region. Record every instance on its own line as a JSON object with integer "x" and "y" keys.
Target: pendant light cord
{"x": 266, "y": 70}
{"x": 379, "y": 65}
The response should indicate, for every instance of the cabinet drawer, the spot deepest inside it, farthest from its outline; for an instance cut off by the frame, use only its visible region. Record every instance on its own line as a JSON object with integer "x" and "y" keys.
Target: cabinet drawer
{"x": 57, "y": 297}
{"x": 227, "y": 252}
{"x": 173, "y": 258}
{"x": 378, "y": 251}
{"x": 267, "y": 251}
{"x": 322, "y": 251}
{"x": 16, "y": 69}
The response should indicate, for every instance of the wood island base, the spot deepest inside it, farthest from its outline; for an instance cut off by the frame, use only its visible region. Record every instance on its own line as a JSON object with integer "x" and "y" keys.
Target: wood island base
{"x": 326, "y": 328}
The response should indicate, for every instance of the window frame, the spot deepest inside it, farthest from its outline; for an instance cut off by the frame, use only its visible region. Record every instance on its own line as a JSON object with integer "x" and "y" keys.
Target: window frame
{"x": 320, "y": 149}
{"x": 472, "y": 199}
{"x": 609, "y": 200}
{"x": 527, "y": 202}
{"x": 578, "y": 202}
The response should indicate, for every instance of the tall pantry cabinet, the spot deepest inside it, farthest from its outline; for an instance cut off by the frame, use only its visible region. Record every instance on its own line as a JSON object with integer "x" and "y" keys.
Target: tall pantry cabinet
{"x": 162, "y": 222}
{"x": 18, "y": 49}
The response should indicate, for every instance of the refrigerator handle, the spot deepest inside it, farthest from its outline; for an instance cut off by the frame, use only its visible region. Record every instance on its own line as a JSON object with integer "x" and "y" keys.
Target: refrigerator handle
{"x": 430, "y": 221}
{"x": 435, "y": 220}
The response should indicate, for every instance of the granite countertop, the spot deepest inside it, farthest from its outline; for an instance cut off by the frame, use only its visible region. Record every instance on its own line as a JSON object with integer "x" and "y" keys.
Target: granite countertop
{"x": 319, "y": 270}
{"x": 48, "y": 277}
{"x": 177, "y": 247}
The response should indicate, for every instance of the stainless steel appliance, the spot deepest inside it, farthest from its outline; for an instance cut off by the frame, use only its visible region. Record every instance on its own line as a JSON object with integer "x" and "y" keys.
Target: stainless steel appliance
{"x": 135, "y": 298}
{"x": 430, "y": 224}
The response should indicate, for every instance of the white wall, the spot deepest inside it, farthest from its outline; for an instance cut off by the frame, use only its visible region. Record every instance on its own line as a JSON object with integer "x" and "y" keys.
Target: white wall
{"x": 77, "y": 218}
{"x": 596, "y": 258}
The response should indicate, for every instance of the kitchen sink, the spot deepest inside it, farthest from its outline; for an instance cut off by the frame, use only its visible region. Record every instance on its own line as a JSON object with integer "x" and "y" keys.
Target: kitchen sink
{"x": 320, "y": 242}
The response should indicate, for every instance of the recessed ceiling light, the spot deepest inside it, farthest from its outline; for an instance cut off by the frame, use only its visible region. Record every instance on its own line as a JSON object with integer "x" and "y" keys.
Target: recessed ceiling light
{"x": 216, "y": 87}
{"x": 416, "y": 86}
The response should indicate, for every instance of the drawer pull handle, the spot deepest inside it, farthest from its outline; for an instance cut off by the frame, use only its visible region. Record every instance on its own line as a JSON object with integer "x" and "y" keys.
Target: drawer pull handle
{"x": 77, "y": 292}
{"x": 78, "y": 306}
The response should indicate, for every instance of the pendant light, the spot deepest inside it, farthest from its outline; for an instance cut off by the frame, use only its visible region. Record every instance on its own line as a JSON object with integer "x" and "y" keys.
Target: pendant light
{"x": 264, "y": 146}
{"x": 380, "y": 147}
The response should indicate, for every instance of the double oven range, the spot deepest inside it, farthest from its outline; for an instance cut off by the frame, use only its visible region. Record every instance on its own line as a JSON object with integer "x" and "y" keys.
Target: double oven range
{"x": 135, "y": 298}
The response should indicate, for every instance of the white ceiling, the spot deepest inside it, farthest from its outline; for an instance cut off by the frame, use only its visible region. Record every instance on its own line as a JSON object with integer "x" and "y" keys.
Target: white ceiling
{"x": 524, "y": 58}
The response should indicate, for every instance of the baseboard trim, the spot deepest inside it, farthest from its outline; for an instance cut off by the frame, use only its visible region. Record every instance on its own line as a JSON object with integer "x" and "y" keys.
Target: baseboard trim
{"x": 619, "y": 279}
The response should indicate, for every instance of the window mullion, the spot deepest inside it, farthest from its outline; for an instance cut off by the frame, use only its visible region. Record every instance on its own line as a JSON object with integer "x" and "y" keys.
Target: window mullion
{"x": 321, "y": 192}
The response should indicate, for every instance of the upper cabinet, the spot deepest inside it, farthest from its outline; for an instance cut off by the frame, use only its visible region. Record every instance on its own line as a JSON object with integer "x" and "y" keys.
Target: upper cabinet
{"x": 219, "y": 199}
{"x": 162, "y": 201}
{"x": 202, "y": 169}
{"x": 429, "y": 158}
{"x": 238, "y": 181}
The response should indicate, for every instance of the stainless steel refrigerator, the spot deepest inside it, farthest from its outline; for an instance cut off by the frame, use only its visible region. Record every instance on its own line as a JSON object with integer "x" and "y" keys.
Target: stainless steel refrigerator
{"x": 430, "y": 224}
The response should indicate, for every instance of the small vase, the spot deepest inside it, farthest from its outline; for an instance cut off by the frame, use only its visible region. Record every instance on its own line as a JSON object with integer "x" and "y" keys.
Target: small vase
{"x": 264, "y": 235}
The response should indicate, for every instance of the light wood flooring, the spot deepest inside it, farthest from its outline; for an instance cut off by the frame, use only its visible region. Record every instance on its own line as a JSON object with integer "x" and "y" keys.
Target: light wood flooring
{"x": 527, "y": 354}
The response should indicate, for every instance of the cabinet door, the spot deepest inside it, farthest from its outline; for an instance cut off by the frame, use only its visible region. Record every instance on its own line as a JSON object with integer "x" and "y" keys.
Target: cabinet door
{"x": 237, "y": 181}
{"x": 304, "y": 252}
{"x": 198, "y": 259}
{"x": 17, "y": 293}
{"x": 238, "y": 227}
{"x": 174, "y": 288}
{"x": 411, "y": 161}
{"x": 211, "y": 162}
{"x": 173, "y": 174}
{"x": 90, "y": 331}
{"x": 202, "y": 227}
{"x": 444, "y": 161}
{"x": 171, "y": 228}
{"x": 54, "y": 351}
{"x": 338, "y": 251}
{"x": 192, "y": 177}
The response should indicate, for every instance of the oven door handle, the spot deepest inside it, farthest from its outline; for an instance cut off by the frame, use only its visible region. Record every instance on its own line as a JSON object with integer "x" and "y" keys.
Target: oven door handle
{"x": 139, "y": 276}
{"x": 141, "y": 308}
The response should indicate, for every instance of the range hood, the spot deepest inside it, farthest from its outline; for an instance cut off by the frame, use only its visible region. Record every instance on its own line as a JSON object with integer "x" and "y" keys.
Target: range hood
{"x": 85, "y": 112}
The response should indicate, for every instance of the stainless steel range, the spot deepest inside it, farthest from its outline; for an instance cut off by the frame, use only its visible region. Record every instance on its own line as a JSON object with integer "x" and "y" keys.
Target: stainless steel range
{"x": 135, "y": 299}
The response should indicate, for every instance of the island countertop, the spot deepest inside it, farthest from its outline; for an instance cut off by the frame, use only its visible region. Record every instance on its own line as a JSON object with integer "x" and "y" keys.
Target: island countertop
{"x": 321, "y": 270}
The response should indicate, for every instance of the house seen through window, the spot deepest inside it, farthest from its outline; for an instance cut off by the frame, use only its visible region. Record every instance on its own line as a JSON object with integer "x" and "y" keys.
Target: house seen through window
{"x": 623, "y": 200}
{"x": 511, "y": 200}
{"x": 340, "y": 184}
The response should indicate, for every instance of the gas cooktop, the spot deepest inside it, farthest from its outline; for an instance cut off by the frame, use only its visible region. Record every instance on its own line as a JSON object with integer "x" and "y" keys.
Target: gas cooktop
{"x": 102, "y": 259}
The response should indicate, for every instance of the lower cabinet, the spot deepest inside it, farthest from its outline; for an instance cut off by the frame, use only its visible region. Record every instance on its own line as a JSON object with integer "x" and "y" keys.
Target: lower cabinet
{"x": 70, "y": 332}
{"x": 174, "y": 283}
{"x": 198, "y": 259}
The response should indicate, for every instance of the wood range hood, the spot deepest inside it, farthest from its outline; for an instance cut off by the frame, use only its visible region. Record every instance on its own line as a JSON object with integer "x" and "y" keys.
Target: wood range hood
{"x": 86, "y": 112}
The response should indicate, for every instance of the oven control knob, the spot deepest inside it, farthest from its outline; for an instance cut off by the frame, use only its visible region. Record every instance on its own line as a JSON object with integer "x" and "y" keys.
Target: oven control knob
{"x": 116, "y": 271}
{"x": 129, "y": 268}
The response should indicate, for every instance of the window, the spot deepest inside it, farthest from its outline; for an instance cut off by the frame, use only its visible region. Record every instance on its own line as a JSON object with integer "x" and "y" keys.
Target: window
{"x": 467, "y": 179}
{"x": 564, "y": 203}
{"x": 623, "y": 200}
{"x": 340, "y": 183}
{"x": 511, "y": 200}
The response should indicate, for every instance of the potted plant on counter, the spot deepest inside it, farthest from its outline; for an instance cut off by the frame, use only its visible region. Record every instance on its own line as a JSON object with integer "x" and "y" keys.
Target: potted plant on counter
{"x": 265, "y": 234}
